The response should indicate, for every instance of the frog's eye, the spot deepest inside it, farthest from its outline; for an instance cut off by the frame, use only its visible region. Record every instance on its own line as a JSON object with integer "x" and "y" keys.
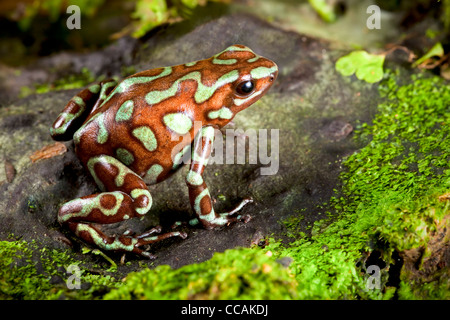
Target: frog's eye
{"x": 244, "y": 88}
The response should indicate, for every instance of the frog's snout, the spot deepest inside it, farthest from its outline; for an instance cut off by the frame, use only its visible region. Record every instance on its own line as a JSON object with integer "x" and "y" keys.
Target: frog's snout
{"x": 273, "y": 76}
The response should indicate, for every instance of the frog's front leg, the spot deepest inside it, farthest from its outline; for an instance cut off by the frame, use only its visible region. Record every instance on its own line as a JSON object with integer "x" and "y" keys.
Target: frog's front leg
{"x": 78, "y": 109}
{"x": 198, "y": 191}
{"x": 126, "y": 196}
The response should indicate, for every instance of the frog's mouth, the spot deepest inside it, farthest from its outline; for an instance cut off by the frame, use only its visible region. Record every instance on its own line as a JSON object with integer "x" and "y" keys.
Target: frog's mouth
{"x": 240, "y": 101}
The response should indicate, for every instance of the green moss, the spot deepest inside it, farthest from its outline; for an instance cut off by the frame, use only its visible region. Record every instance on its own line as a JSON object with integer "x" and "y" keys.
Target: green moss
{"x": 30, "y": 272}
{"x": 324, "y": 9}
{"x": 294, "y": 225}
{"x": 71, "y": 82}
{"x": 234, "y": 274}
{"x": 445, "y": 17}
{"x": 149, "y": 14}
{"x": 389, "y": 198}
{"x": 436, "y": 290}
{"x": 55, "y": 9}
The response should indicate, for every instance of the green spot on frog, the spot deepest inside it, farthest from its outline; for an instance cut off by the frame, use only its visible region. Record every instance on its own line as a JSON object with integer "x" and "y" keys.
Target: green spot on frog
{"x": 125, "y": 156}
{"x": 102, "y": 135}
{"x": 146, "y": 136}
{"x": 236, "y": 48}
{"x": 94, "y": 88}
{"x": 224, "y": 61}
{"x": 125, "y": 111}
{"x": 209, "y": 216}
{"x": 203, "y": 92}
{"x": 194, "y": 178}
{"x": 178, "y": 122}
{"x": 105, "y": 88}
{"x": 127, "y": 83}
{"x": 222, "y": 113}
{"x": 78, "y": 100}
{"x": 135, "y": 193}
{"x": 262, "y": 72}
{"x": 178, "y": 158}
{"x": 153, "y": 173}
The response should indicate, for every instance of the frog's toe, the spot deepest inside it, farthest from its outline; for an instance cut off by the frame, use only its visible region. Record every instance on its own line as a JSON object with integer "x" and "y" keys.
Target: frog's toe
{"x": 245, "y": 218}
{"x": 240, "y": 206}
{"x": 149, "y": 239}
{"x": 183, "y": 235}
{"x": 154, "y": 230}
{"x": 147, "y": 255}
{"x": 235, "y": 218}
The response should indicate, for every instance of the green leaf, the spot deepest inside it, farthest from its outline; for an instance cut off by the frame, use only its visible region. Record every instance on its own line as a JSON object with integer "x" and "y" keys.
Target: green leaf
{"x": 436, "y": 50}
{"x": 150, "y": 13}
{"x": 324, "y": 9}
{"x": 368, "y": 67}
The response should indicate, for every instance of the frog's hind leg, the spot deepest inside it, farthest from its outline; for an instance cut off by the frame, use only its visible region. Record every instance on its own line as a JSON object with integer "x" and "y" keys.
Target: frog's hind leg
{"x": 126, "y": 196}
{"x": 78, "y": 109}
{"x": 92, "y": 234}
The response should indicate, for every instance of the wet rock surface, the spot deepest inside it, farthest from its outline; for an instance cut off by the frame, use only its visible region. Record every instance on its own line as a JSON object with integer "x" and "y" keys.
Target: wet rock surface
{"x": 311, "y": 107}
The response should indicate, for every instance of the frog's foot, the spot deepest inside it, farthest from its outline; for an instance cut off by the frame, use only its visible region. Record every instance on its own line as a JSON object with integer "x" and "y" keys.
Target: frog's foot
{"x": 153, "y": 230}
{"x": 146, "y": 239}
{"x": 214, "y": 220}
{"x": 125, "y": 243}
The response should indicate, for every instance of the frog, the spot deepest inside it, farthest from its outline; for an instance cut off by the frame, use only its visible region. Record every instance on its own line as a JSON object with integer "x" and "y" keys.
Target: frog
{"x": 132, "y": 134}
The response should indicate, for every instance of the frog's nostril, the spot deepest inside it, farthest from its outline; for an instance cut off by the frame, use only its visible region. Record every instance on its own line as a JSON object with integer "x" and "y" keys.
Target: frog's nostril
{"x": 271, "y": 78}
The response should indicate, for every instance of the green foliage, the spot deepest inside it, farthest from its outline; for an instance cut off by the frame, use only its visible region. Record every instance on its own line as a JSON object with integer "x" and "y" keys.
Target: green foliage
{"x": 28, "y": 272}
{"x": 445, "y": 16}
{"x": 53, "y": 9}
{"x": 390, "y": 203}
{"x": 294, "y": 226}
{"x": 435, "y": 290}
{"x": 368, "y": 67}
{"x": 324, "y": 9}
{"x": 436, "y": 51}
{"x": 234, "y": 274}
{"x": 72, "y": 81}
{"x": 149, "y": 13}
{"x": 152, "y": 13}
{"x": 13, "y": 286}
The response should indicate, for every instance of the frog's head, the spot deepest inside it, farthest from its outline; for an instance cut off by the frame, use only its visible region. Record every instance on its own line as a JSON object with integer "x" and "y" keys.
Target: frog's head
{"x": 245, "y": 78}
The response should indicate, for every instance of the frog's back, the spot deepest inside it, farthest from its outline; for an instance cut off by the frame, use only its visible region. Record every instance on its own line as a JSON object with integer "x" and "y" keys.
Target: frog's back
{"x": 154, "y": 113}
{"x": 140, "y": 132}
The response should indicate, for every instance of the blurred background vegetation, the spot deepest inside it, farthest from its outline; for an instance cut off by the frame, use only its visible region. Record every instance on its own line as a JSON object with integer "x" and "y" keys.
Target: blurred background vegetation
{"x": 35, "y": 28}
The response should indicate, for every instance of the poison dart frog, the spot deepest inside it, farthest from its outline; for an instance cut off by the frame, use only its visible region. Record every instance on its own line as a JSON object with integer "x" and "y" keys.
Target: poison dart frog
{"x": 126, "y": 131}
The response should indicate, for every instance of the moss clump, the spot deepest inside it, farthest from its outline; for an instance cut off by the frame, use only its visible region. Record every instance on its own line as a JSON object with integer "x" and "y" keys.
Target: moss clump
{"x": 32, "y": 273}
{"x": 390, "y": 199}
{"x": 149, "y": 14}
{"x": 65, "y": 83}
{"x": 234, "y": 274}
